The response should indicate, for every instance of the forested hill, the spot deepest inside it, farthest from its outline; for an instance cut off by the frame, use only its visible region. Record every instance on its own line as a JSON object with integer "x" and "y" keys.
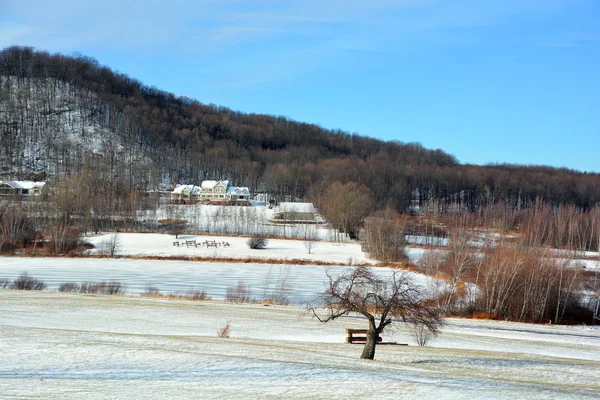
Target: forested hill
{"x": 61, "y": 116}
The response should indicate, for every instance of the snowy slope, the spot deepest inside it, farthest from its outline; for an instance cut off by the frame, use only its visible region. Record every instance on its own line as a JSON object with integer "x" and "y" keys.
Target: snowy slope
{"x": 99, "y": 347}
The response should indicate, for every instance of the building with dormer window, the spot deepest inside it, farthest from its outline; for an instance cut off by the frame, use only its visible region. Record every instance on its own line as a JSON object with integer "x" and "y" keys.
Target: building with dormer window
{"x": 210, "y": 191}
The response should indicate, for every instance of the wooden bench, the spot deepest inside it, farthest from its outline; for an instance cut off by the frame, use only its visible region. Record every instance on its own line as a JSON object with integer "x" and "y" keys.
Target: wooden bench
{"x": 176, "y": 244}
{"x": 362, "y": 338}
{"x": 359, "y": 336}
{"x": 189, "y": 243}
{"x": 211, "y": 243}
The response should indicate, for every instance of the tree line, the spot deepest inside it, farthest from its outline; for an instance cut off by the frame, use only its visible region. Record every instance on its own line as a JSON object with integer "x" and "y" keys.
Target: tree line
{"x": 532, "y": 271}
{"x": 61, "y": 114}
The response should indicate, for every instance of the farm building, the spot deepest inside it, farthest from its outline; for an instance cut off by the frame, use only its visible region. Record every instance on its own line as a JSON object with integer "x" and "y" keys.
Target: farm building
{"x": 295, "y": 212}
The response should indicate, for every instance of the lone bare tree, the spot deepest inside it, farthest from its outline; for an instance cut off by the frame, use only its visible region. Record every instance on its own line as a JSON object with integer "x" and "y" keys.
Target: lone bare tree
{"x": 111, "y": 245}
{"x": 381, "y": 300}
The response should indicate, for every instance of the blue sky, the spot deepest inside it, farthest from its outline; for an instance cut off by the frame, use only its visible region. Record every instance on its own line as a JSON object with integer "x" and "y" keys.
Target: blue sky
{"x": 488, "y": 81}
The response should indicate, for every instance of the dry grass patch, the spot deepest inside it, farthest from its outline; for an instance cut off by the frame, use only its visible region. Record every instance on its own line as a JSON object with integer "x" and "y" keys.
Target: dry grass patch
{"x": 224, "y": 331}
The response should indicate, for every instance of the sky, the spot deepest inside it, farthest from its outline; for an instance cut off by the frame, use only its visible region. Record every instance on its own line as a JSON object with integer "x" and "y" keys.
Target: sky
{"x": 492, "y": 81}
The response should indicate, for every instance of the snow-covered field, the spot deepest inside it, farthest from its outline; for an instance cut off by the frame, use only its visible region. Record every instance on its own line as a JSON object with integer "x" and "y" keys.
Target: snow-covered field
{"x": 70, "y": 346}
{"x": 154, "y": 244}
{"x": 303, "y": 282}
{"x": 227, "y": 220}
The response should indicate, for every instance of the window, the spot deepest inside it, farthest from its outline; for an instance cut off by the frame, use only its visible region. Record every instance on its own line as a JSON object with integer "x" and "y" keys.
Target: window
{"x": 6, "y": 189}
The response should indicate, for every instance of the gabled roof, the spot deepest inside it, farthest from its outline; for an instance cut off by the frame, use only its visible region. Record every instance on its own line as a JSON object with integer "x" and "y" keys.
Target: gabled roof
{"x": 238, "y": 190}
{"x": 181, "y": 188}
{"x": 296, "y": 207}
{"x": 25, "y": 184}
{"x": 212, "y": 184}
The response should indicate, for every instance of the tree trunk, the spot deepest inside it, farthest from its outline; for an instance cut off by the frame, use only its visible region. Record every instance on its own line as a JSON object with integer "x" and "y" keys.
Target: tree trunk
{"x": 369, "y": 349}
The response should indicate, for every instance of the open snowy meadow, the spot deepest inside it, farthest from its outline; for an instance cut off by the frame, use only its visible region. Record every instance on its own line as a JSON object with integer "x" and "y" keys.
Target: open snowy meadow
{"x": 73, "y": 346}
{"x": 155, "y": 244}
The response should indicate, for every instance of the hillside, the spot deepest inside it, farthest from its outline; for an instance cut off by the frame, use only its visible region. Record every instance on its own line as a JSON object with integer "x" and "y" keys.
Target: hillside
{"x": 62, "y": 115}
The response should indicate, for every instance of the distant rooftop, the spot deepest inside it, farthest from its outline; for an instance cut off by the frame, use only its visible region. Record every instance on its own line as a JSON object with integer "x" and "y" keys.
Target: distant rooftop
{"x": 25, "y": 184}
{"x": 297, "y": 207}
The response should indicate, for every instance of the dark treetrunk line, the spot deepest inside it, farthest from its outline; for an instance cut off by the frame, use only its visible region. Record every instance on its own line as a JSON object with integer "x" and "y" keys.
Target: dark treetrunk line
{"x": 368, "y": 352}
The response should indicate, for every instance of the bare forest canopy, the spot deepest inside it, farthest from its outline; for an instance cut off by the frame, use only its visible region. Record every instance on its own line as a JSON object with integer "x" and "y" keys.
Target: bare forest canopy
{"x": 62, "y": 115}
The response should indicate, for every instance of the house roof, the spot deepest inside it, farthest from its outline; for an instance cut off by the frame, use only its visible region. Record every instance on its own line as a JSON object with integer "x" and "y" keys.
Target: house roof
{"x": 25, "y": 184}
{"x": 296, "y": 207}
{"x": 190, "y": 188}
{"x": 238, "y": 190}
{"x": 212, "y": 184}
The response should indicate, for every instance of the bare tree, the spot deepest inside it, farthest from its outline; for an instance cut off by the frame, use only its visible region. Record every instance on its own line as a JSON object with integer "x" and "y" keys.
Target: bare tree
{"x": 111, "y": 245}
{"x": 382, "y": 301}
{"x": 594, "y": 289}
{"x": 175, "y": 226}
{"x": 63, "y": 238}
{"x": 277, "y": 289}
{"x": 241, "y": 293}
{"x": 283, "y": 287}
{"x": 16, "y": 228}
{"x": 345, "y": 206}
{"x": 420, "y": 333}
{"x": 310, "y": 237}
{"x": 383, "y": 236}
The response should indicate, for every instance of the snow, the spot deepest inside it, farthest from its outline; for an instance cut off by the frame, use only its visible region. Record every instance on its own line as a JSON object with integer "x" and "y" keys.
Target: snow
{"x": 238, "y": 220}
{"x": 588, "y": 264}
{"x": 304, "y": 281}
{"x": 97, "y": 347}
{"x": 577, "y": 253}
{"x": 25, "y": 184}
{"x": 426, "y": 240}
{"x": 296, "y": 207}
{"x": 212, "y": 184}
{"x": 238, "y": 190}
{"x": 154, "y": 244}
{"x": 182, "y": 187}
{"x": 67, "y": 115}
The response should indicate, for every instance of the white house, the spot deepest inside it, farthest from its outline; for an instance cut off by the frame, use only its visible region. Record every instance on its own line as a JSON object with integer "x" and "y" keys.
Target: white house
{"x": 217, "y": 191}
{"x": 21, "y": 188}
{"x": 238, "y": 193}
{"x": 185, "y": 193}
{"x": 214, "y": 190}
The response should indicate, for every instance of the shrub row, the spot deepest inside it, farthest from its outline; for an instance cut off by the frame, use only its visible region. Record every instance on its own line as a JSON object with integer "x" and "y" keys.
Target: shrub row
{"x": 23, "y": 282}
{"x": 111, "y": 287}
{"x": 192, "y": 294}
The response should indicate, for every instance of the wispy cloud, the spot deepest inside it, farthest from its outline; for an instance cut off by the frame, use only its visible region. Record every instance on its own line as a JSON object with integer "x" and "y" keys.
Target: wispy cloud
{"x": 292, "y": 35}
{"x": 61, "y": 24}
{"x": 134, "y": 24}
